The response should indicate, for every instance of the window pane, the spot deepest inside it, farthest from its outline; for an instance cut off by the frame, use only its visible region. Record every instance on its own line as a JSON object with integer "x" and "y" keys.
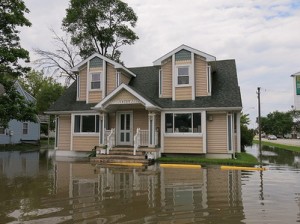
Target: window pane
{"x": 25, "y": 128}
{"x": 95, "y": 77}
{"x": 127, "y": 137}
{"x": 122, "y": 121}
{"x": 97, "y": 123}
{"x": 183, "y": 122}
{"x": 183, "y": 71}
{"x": 88, "y": 123}
{"x": 183, "y": 80}
{"x": 169, "y": 123}
{"x": 77, "y": 123}
{"x": 95, "y": 85}
{"x": 2, "y": 131}
{"x": 127, "y": 121}
{"x": 197, "y": 122}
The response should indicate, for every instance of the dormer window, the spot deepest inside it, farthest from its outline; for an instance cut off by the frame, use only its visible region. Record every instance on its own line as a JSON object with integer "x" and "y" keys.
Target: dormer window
{"x": 95, "y": 81}
{"x": 183, "y": 75}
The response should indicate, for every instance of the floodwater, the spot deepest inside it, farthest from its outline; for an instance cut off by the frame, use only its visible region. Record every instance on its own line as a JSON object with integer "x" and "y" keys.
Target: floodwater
{"x": 36, "y": 188}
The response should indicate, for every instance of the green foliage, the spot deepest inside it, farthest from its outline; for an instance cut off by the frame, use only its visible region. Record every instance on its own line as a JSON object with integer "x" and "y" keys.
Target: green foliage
{"x": 244, "y": 159}
{"x": 12, "y": 16}
{"x": 277, "y": 123}
{"x": 100, "y": 25}
{"x": 45, "y": 89}
{"x": 13, "y": 105}
{"x": 247, "y": 135}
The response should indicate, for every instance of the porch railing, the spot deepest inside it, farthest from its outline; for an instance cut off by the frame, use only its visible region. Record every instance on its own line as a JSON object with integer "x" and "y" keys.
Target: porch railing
{"x": 136, "y": 141}
{"x": 141, "y": 138}
{"x": 110, "y": 140}
{"x": 144, "y": 138}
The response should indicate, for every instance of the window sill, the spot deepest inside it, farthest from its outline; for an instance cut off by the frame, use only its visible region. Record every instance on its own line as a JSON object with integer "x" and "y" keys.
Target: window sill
{"x": 95, "y": 90}
{"x": 183, "y": 134}
{"x": 183, "y": 85}
{"x": 92, "y": 134}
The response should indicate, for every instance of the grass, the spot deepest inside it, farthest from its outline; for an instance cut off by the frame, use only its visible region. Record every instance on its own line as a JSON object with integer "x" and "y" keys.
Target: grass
{"x": 28, "y": 147}
{"x": 242, "y": 159}
{"x": 286, "y": 147}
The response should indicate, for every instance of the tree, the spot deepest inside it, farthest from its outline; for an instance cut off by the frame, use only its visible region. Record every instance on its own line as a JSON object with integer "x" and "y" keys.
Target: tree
{"x": 246, "y": 134}
{"x": 277, "y": 123}
{"x": 62, "y": 59}
{"x": 100, "y": 26}
{"x": 12, "y": 104}
{"x": 45, "y": 89}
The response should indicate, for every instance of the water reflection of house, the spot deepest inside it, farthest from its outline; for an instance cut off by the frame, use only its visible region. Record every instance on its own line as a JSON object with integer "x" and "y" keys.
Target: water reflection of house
{"x": 16, "y": 163}
{"x": 118, "y": 194}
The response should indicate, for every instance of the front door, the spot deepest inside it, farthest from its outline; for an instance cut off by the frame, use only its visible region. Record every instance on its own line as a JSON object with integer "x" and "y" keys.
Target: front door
{"x": 124, "y": 128}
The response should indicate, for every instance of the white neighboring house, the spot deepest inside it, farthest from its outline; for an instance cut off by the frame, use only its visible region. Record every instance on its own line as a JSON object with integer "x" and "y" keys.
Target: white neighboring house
{"x": 20, "y": 131}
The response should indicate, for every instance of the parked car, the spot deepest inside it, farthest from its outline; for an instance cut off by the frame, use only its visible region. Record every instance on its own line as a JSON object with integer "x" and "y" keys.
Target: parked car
{"x": 272, "y": 137}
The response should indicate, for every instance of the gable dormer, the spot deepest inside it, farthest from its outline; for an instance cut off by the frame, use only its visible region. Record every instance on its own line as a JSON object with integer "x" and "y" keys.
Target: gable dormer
{"x": 97, "y": 76}
{"x": 184, "y": 74}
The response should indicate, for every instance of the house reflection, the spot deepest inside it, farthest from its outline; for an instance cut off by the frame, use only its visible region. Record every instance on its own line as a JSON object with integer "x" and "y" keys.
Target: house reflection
{"x": 120, "y": 194}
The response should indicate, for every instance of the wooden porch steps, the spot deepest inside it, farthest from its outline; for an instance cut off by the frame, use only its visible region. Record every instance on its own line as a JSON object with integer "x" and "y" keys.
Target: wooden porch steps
{"x": 121, "y": 155}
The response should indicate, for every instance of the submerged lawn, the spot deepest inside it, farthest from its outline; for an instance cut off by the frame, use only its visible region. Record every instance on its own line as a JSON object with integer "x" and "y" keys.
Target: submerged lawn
{"x": 281, "y": 146}
{"x": 28, "y": 147}
{"x": 242, "y": 159}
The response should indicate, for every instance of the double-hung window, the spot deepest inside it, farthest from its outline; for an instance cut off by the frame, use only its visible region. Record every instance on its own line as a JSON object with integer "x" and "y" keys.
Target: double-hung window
{"x": 25, "y": 128}
{"x": 95, "y": 79}
{"x": 86, "y": 124}
{"x": 183, "y": 75}
{"x": 2, "y": 130}
{"x": 183, "y": 122}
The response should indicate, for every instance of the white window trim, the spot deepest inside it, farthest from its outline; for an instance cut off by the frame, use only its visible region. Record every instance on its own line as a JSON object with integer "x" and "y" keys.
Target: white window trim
{"x": 190, "y": 75}
{"x": 90, "y": 81}
{"x": 183, "y": 134}
{"x": 78, "y": 86}
{"x": 160, "y": 81}
{"x": 25, "y": 129}
{"x": 84, "y": 133}
{"x": 4, "y": 129}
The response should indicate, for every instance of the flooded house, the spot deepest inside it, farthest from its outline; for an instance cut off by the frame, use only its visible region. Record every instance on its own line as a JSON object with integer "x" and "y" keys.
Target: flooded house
{"x": 187, "y": 102}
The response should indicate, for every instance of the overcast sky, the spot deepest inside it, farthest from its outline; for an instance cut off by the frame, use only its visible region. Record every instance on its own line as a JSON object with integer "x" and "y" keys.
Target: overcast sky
{"x": 263, "y": 36}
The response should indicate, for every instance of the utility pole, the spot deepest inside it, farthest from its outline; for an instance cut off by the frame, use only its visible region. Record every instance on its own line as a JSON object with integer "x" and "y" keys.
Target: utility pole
{"x": 259, "y": 125}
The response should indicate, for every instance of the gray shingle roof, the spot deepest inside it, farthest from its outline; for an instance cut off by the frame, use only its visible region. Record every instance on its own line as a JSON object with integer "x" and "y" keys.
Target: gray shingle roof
{"x": 225, "y": 90}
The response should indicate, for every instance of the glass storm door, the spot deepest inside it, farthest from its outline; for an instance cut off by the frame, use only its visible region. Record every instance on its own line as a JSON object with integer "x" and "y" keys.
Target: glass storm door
{"x": 125, "y": 126}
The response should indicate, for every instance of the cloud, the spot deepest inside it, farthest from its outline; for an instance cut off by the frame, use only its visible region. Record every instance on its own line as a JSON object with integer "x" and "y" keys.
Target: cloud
{"x": 262, "y": 36}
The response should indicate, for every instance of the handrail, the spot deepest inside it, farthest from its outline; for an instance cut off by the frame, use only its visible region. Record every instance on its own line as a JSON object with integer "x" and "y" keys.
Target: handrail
{"x": 110, "y": 140}
{"x": 136, "y": 141}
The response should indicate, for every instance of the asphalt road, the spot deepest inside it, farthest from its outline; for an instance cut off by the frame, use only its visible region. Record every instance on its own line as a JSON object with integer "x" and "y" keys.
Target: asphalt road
{"x": 293, "y": 142}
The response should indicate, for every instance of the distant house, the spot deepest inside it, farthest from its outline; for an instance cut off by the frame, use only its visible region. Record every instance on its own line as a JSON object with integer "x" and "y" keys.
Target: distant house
{"x": 186, "y": 103}
{"x": 20, "y": 131}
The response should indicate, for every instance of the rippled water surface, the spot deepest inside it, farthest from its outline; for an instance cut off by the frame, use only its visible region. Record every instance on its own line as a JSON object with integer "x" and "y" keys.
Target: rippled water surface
{"x": 36, "y": 188}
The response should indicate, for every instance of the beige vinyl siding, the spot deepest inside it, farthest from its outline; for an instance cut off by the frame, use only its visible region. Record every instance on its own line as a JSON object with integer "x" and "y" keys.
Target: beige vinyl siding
{"x": 166, "y": 69}
{"x": 183, "y": 145}
{"x": 110, "y": 78}
{"x": 183, "y": 93}
{"x": 85, "y": 143}
{"x": 140, "y": 120}
{"x": 183, "y": 62}
{"x": 95, "y": 96}
{"x": 64, "y": 132}
{"x": 124, "y": 95}
{"x": 217, "y": 133}
{"x": 124, "y": 79}
{"x": 200, "y": 76}
{"x": 82, "y": 85}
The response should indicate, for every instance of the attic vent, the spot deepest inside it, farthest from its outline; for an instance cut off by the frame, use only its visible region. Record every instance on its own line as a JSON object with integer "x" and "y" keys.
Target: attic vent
{"x": 183, "y": 55}
{"x": 96, "y": 62}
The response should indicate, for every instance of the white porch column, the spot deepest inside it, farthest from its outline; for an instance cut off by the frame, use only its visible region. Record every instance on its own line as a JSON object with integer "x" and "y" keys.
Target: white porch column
{"x": 102, "y": 125}
{"x": 151, "y": 128}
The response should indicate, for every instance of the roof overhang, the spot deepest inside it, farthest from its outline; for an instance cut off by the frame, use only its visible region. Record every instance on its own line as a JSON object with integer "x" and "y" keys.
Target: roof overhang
{"x": 140, "y": 99}
{"x": 296, "y": 74}
{"x": 208, "y": 57}
{"x": 205, "y": 109}
{"x": 115, "y": 64}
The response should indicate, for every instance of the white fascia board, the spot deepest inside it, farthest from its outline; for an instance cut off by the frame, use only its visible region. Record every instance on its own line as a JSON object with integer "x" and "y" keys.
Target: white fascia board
{"x": 185, "y": 47}
{"x": 146, "y": 103}
{"x": 296, "y": 74}
{"x": 115, "y": 64}
{"x": 204, "y": 108}
{"x": 69, "y": 112}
